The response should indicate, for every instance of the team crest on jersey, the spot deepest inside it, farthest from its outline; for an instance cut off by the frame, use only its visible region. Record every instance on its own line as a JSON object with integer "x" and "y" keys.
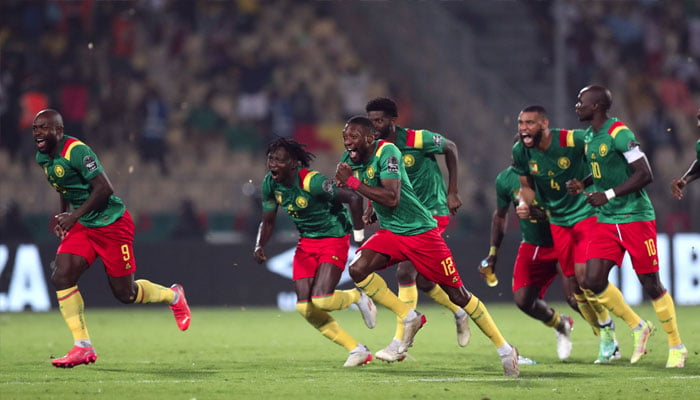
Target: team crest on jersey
{"x": 603, "y": 150}
{"x": 278, "y": 197}
{"x": 392, "y": 165}
{"x": 409, "y": 160}
{"x": 534, "y": 169}
{"x": 370, "y": 172}
{"x": 564, "y": 162}
{"x": 301, "y": 202}
{"x": 90, "y": 163}
{"x": 59, "y": 171}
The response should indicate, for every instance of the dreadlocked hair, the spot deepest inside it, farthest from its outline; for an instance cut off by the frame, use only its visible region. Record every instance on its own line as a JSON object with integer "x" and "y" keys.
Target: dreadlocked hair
{"x": 293, "y": 148}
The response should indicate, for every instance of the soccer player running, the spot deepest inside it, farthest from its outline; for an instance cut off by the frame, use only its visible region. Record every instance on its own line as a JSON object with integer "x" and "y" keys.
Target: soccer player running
{"x": 99, "y": 225}
{"x": 536, "y": 262}
{"x": 546, "y": 159}
{"x": 315, "y": 205}
{"x": 407, "y": 231}
{"x": 626, "y": 222}
{"x": 418, "y": 149}
{"x": 693, "y": 172}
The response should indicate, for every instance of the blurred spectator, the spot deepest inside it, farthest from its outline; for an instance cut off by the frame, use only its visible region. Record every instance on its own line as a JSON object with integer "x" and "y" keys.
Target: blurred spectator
{"x": 12, "y": 227}
{"x": 154, "y": 111}
{"x": 659, "y": 132}
{"x": 190, "y": 224}
{"x": 74, "y": 101}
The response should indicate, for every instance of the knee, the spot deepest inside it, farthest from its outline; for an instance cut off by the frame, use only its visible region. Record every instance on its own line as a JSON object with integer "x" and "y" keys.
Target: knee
{"x": 424, "y": 285}
{"x": 405, "y": 274}
{"x": 358, "y": 271}
{"x": 126, "y": 295}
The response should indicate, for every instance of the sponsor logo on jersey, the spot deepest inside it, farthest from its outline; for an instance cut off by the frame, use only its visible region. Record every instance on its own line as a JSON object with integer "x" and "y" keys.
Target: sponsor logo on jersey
{"x": 392, "y": 165}
{"x": 90, "y": 163}
{"x": 370, "y": 172}
{"x": 564, "y": 162}
{"x": 534, "y": 169}
{"x": 59, "y": 171}
{"x": 409, "y": 160}
{"x": 301, "y": 202}
{"x": 603, "y": 150}
{"x": 278, "y": 197}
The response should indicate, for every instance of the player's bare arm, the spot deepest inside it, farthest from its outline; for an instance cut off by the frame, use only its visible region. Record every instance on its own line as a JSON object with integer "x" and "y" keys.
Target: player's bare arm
{"x": 99, "y": 196}
{"x": 388, "y": 194}
{"x": 641, "y": 176}
{"x": 527, "y": 196}
{"x": 451, "y": 161}
{"x": 677, "y": 185}
{"x": 498, "y": 228}
{"x": 267, "y": 226}
{"x": 354, "y": 202}
{"x": 576, "y": 187}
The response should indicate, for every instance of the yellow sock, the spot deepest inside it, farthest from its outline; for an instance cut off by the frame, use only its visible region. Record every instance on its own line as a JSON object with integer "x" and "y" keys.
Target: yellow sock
{"x": 612, "y": 299}
{"x": 149, "y": 292}
{"x": 602, "y": 314}
{"x": 338, "y": 300}
{"x": 441, "y": 297}
{"x": 555, "y": 321}
{"x": 480, "y": 315}
{"x": 334, "y": 332}
{"x": 72, "y": 307}
{"x": 408, "y": 294}
{"x": 666, "y": 312}
{"x": 587, "y": 312}
{"x": 375, "y": 287}
{"x": 325, "y": 324}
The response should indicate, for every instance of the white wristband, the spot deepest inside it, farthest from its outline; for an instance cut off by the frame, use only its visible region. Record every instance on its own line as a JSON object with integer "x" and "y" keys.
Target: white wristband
{"x": 358, "y": 235}
{"x": 610, "y": 194}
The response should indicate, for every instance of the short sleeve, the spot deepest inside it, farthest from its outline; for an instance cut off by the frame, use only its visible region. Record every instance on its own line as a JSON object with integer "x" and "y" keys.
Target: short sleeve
{"x": 84, "y": 160}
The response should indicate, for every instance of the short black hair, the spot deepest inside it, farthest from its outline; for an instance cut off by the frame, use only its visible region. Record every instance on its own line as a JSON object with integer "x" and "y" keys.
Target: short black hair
{"x": 294, "y": 149}
{"x": 383, "y": 104}
{"x": 362, "y": 121}
{"x": 536, "y": 108}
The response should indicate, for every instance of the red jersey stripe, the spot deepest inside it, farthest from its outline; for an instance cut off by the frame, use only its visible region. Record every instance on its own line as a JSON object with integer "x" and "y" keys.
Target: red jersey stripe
{"x": 68, "y": 146}
{"x": 616, "y": 127}
{"x": 566, "y": 138}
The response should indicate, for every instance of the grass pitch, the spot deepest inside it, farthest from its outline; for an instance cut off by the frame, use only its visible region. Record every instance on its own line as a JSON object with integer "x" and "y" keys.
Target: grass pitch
{"x": 234, "y": 353}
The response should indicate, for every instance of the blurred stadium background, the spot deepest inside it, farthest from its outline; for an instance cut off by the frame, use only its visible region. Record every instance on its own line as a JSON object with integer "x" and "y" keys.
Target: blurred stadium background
{"x": 179, "y": 98}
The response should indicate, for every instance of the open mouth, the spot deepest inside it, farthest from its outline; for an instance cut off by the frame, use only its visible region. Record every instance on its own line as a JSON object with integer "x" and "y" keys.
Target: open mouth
{"x": 527, "y": 139}
{"x": 40, "y": 143}
{"x": 353, "y": 154}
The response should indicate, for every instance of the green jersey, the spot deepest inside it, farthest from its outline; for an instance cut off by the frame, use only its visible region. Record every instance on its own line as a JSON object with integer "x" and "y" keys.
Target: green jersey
{"x": 310, "y": 202}
{"x": 562, "y": 161}
{"x": 697, "y": 150}
{"x": 70, "y": 172}
{"x": 418, "y": 148}
{"x": 605, "y": 151}
{"x": 410, "y": 217}
{"x": 508, "y": 192}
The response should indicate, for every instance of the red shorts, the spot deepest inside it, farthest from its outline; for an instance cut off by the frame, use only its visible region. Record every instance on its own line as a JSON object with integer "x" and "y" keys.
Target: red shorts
{"x": 637, "y": 238}
{"x": 427, "y": 251}
{"x": 534, "y": 266}
{"x": 312, "y": 252}
{"x": 112, "y": 243}
{"x": 442, "y": 222}
{"x": 571, "y": 242}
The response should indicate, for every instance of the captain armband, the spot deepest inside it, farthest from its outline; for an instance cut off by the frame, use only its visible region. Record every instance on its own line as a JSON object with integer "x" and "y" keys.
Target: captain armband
{"x": 633, "y": 154}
